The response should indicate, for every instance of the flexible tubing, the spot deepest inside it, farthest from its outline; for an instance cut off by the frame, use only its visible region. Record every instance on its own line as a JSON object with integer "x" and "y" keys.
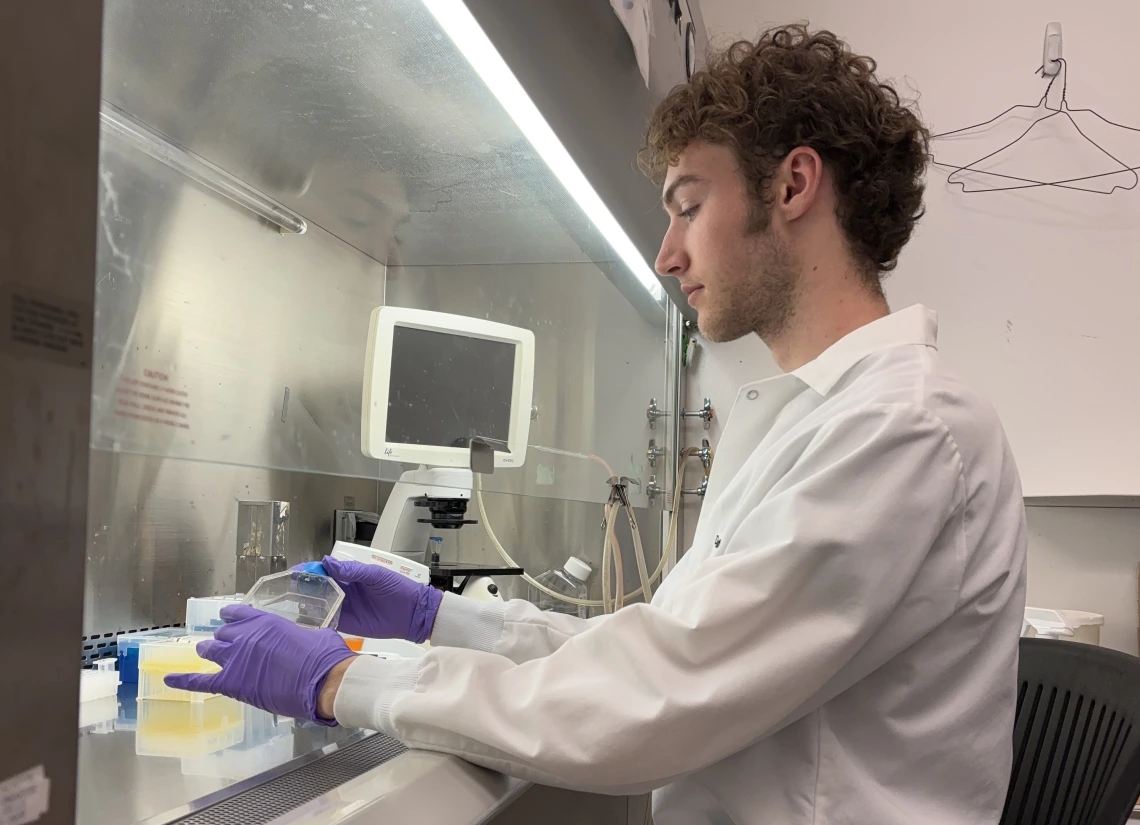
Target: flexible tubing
{"x": 611, "y": 550}
{"x": 639, "y": 552}
{"x": 606, "y": 604}
{"x": 610, "y": 545}
{"x": 611, "y": 554}
{"x": 609, "y": 557}
{"x": 669, "y": 550}
{"x": 618, "y": 598}
{"x": 502, "y": 551}
{"x": 607, "y": 601}
{"x": 670, "y": 547}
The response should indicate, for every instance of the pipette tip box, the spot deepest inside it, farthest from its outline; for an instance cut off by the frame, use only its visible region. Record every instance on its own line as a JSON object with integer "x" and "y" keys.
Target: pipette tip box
{"x": 129, "y": 644}
{"x": 98, "y": 682}
{"x": 188, "y": 729}
{"x": 204, "y": 613}
{"x": 159, "y": 659}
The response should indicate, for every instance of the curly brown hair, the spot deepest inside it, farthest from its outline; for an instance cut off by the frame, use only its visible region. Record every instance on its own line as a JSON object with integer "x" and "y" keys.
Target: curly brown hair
{"x": 791, "y": 88}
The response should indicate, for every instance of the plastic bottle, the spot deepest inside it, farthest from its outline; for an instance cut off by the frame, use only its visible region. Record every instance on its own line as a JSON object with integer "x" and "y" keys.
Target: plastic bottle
{"x": 434, "y": 551}
{"x": 569, "y": 580}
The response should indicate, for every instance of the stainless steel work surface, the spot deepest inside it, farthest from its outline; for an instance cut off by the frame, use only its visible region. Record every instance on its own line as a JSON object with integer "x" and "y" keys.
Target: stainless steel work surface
{"x": 124, "y": 780}
{"x": 417, "y": 787}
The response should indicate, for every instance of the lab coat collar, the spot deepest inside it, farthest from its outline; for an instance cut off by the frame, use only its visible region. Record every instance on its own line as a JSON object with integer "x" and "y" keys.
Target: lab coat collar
{"x": 914, "y": 325}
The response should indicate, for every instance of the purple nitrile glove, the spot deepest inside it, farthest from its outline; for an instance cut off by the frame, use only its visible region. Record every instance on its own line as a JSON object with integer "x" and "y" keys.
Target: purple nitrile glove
{"x": 268, "y": 662}
{"x": 379, "y": 603}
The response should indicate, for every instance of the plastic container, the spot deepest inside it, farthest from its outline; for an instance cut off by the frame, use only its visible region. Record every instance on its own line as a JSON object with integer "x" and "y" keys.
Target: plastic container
{"x": 188, "y": 729}
{"x": 204, "y": 614}
{"x": 99, "y": 682}
{"x": 129, "y": 644}
{"x": 347, "y": 551}
{"x": 128, "y": 718}
{"x": 261, "y": 726}
{"x": 240, "y": 762}
{"x": 159, "y": 659}
{"x": 266, "y": 743}
{"x": 570, "y": 581}
{"x": 98, "y": 715}
{"x": 1067, "y": 625}
{"x": 302, "y": 597}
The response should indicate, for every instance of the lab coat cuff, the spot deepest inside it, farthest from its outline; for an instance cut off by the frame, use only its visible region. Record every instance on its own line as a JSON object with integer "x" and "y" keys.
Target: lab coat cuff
{"x": 467, "y": 623}
{"x": 369, "y": 689}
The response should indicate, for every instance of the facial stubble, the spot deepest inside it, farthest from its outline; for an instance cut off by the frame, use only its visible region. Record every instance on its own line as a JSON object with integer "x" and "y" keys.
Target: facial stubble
{"x": 761, "y": 298}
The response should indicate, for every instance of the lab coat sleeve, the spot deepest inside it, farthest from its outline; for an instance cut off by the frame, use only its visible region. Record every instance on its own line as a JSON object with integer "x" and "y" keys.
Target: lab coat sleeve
{"x": 516, "y": 629}
{"x": 811, "y": 594}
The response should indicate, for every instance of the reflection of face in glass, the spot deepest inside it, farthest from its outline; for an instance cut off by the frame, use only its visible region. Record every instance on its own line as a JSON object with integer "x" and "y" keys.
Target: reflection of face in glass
{"x": 446, "y": 389}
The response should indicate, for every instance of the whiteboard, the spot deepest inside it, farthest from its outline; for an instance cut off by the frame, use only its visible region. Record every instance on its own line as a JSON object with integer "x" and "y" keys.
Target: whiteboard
{"x": 1037, "y": 292}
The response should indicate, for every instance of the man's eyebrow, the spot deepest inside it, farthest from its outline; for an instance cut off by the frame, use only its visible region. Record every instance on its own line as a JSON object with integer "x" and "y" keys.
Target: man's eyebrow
{"x": 681, "y": 180}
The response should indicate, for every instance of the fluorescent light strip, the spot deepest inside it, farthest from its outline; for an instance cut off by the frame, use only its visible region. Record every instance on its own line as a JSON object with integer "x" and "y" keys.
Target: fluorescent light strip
{"x": 454, "y": 18}
{"x": 123, "y": 126}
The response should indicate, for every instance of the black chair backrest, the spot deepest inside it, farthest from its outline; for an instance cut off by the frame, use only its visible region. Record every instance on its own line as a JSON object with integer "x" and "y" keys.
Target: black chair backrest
{"x": 1076, "y": 742}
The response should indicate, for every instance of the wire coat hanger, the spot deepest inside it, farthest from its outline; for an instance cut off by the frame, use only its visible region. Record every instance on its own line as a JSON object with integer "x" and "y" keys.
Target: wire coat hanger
{"x": 1062, "y": 110}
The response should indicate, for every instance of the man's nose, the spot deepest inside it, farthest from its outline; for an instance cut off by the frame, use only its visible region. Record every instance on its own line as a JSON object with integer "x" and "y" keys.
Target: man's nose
{"x": 671, "y": 260}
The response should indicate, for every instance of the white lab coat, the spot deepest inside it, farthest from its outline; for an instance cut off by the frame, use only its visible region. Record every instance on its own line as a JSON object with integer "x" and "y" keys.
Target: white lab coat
{"x": 839, "y": 644}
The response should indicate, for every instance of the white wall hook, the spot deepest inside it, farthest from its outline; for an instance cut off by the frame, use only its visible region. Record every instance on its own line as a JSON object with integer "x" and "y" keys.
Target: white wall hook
{"x": 1051, "y": 58}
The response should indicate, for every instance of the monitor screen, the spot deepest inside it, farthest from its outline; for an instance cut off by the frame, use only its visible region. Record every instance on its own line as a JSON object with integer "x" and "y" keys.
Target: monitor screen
{"x": 446, "y": 388}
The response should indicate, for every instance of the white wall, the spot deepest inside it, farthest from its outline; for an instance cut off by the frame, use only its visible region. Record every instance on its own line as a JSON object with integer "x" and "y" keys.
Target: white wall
{"x": 1036, "y": 289}
{"x": 1079, "y": 558}
{"x": 1086, "y": 559}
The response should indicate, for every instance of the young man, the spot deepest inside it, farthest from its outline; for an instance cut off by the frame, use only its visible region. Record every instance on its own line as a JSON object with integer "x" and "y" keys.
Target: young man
{"x": 839, "y": 644}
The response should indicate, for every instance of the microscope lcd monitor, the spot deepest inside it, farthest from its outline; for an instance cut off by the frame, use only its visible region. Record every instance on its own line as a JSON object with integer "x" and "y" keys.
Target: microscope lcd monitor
{"x": 434, "y": 381}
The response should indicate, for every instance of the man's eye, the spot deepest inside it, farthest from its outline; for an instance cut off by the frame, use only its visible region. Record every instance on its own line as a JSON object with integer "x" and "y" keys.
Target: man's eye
{"x": 688, "y": 214}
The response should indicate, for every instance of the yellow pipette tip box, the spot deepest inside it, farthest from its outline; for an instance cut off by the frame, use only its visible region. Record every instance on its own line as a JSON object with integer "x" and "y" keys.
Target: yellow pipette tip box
{"x": 157, "y": 660}
{"x": 188, "y": 729}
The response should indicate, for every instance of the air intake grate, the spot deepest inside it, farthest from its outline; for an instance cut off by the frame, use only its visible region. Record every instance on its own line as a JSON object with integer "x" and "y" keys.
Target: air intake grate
{"x": 278, "y": 796}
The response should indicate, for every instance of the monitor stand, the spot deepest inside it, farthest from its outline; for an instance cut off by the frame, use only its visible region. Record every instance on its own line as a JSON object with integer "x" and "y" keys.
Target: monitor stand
{"x": 427, "y": 500}
{"x": 403, "y": 531}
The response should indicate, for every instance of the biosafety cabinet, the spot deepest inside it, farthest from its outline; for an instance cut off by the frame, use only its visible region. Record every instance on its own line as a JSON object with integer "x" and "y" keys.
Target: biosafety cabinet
{"x": 205, "y": 202}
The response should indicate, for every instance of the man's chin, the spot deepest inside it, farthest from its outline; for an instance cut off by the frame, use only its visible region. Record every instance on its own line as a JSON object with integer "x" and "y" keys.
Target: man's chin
{"x": 716, "y": 332}
{"x": 711, "y": 332}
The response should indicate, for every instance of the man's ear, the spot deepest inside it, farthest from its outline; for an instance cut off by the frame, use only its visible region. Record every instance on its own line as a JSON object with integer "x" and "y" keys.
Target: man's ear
{"x": 797, "y": 182}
